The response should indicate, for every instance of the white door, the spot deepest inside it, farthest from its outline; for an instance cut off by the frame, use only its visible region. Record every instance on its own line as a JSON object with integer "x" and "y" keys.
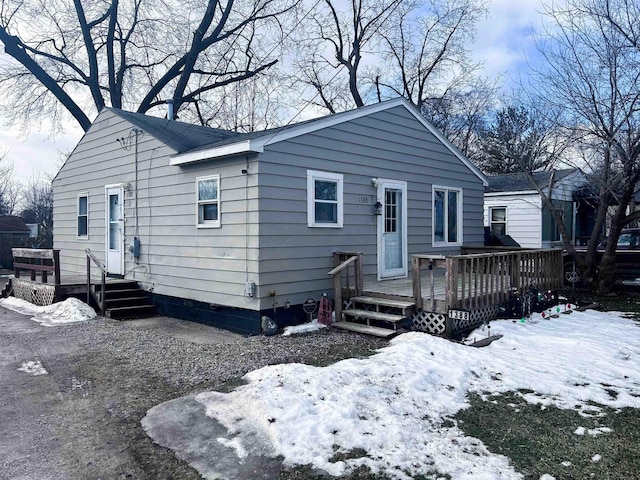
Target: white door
{"x": 114, "y": 234}
{"x": 392, "y": 229}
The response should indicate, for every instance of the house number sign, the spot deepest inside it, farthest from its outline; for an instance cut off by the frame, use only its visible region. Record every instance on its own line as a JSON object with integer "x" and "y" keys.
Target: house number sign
{"x": 459, "y": 315}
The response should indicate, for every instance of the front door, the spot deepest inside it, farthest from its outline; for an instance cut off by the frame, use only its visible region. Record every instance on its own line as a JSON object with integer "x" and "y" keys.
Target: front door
{"x": 392, "y": 229}
{"x": 114, "y": 234}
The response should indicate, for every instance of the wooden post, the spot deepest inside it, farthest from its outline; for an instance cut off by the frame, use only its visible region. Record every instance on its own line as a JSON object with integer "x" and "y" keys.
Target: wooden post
{"x": 433, "y": 286}
{"x": 56, "y": 267}
{"x": 359, "y": 274}
{"x": 88, "y": 280}
{"x": 415, "y": 280}
{"x": 337, "y": 292}
{"x": 104, "y": 294}
{"x": 451, "y": 284}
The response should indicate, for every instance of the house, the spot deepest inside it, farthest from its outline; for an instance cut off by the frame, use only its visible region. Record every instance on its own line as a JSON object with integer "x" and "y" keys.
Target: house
{"x": 225, "y": 228}
{"x": 513, "y": 207}
{"x": 13, "y": 234}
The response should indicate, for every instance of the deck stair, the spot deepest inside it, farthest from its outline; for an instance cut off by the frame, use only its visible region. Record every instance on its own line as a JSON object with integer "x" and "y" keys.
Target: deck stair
{"x": 124, "y": 299}
{"x": 375, "y": 315}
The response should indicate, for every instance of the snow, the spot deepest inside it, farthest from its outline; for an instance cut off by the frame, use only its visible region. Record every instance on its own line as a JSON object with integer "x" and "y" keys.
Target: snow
{"x": 33, "y": 367}
{"x": 393, "y": 405}
{"x": 70, "y": 310}
{"x": 312, "y": 326}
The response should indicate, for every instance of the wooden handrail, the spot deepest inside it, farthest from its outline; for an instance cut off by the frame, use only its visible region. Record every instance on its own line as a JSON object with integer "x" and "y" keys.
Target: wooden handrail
{"x": 41, "y": 255}
{"x": 342, "y": 261}
{"x": 103, "y": 270}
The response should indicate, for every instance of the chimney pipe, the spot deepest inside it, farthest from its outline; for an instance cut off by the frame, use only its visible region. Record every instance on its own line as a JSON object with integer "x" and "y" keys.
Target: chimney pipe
{"x": 170, "y": 109}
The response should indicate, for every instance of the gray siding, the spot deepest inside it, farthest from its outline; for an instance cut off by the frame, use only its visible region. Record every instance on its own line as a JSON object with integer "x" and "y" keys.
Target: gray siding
{"x": 264, "y": 235}
{"x": 391, "y": 144}
{"x": 177, "y": 259}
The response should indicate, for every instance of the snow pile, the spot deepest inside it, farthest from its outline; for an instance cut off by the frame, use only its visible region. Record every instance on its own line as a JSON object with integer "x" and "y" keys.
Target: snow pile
{"x": 33, "y": 367}
{"x": 312, "y": 326}
{"x": 393, "y": 405}
{"x": 71, "y": 310}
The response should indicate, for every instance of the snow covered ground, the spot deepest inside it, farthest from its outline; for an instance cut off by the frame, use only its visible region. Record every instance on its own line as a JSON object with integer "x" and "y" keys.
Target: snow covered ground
{"x": 393, "y": 405}
{"x": 71, "y": 310}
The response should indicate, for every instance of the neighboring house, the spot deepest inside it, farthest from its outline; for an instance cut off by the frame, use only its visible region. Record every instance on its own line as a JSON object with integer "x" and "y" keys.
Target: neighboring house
{"x": 224, "y": 227}
{"x": 513, "y": 207}
{"x": 14, "y": 233}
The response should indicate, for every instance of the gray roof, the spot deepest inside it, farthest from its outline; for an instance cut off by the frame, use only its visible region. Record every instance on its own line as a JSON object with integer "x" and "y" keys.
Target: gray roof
{"x": 13, "y": 224}
{"x": 180, "y": 136}
{"x": 517, "y": 182}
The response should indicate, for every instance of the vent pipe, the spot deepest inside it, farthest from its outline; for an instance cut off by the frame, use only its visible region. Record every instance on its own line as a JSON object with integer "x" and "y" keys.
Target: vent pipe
{"x": 169, "y": 109}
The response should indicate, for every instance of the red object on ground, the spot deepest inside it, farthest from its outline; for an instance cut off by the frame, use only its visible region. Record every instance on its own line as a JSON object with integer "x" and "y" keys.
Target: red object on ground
{"x": 324, "y": 312}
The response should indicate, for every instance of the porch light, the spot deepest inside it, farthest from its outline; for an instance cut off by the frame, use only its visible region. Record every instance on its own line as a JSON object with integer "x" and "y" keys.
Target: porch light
{"x": 378, "y": 208}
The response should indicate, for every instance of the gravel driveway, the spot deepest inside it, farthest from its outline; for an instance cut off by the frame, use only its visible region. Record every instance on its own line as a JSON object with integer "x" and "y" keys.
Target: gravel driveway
{"x": 82, "y": 419}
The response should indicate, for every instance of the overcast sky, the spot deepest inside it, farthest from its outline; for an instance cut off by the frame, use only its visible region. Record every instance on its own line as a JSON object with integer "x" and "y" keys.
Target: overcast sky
{"x": 504, "y": 43}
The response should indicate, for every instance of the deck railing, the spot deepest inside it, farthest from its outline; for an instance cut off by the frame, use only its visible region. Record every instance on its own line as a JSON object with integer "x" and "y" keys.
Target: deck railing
{"x": 103, "y": 270}
{"x": 344, "y": 263}
{"x": 37, "y": 260}
{"x": 481, "y": 280}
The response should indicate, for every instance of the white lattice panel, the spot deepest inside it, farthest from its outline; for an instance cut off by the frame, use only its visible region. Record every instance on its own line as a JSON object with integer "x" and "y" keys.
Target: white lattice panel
{"x": 33, "y": 292}
{"x": 429, "y": 322}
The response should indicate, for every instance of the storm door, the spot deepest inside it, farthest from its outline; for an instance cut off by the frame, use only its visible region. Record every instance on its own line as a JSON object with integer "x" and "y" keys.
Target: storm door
{"x": 392, "y": 229}
{"x": 114, "y": 234}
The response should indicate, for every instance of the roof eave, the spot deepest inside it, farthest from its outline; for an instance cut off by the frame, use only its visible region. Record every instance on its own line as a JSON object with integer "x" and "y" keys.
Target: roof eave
{"x": 238, "y": 148}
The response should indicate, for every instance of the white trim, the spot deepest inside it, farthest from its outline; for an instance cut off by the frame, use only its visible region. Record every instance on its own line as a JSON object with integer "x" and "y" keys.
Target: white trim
{"x": 506, "y": 217}
{"x": 121, "y": 223}
{"x": 312, "y": 176}
{"x": 257, "y": 144}
{"x": 460, "y": 225}
{"x": 78, "y": 196}
{"x": 381, "y": 184}
{"x": 208, "y": 223}
{"x": 245, "y": 146}
{"x": 514, "y": 192}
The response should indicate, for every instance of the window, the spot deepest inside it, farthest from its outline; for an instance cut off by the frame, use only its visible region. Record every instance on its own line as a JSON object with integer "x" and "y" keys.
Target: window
{"x": 83, "y": 215}
{"x": 498, "y": 220}
{"x": 324, "y": 199}
{"x": 208, "y": 195}
{"x": 447, "y": 216}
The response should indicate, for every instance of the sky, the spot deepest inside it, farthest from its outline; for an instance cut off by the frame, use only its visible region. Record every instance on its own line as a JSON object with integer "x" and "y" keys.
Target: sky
{"x": 504, "y": 43}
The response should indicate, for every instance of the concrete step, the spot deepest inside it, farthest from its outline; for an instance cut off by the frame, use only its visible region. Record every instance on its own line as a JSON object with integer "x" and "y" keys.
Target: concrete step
{"x": 366, "y": 314}
{"x": 366, "y": 329}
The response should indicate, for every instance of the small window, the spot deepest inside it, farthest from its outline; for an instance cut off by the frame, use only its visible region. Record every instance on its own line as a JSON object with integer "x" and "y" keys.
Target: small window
{"x": 498, "y": 219}
{"x": 208, "y": 195}
{"x": 83, "y": 215}
{"x": 447, "y": 216}
{"x": 324, "y": 199}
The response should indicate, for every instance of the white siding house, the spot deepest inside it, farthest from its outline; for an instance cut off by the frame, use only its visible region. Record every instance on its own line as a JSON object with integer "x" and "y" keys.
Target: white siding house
{"x": 222, "y": 227}
{"x": 513, "y": 207}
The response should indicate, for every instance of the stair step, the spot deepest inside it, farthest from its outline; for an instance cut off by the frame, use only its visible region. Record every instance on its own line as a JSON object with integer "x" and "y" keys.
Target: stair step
{"x": 117, "y": 285}
{"x": 367, "y": 329}
{"x": 126, "y": 301}
{"x": 383, "y": 301}
{"x": 366, "y": 314}
{"x": 128, "y": 292}
{"x": 134, "y": 311}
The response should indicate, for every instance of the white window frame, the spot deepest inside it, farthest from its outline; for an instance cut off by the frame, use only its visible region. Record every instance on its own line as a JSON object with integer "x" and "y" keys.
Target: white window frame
{"x": 506, "y": 218}
{"x": 78, "y": 215}
{"x": 208, "y": 223}
{"x": 446, "y": 213}
{"x": 312, "y": 176}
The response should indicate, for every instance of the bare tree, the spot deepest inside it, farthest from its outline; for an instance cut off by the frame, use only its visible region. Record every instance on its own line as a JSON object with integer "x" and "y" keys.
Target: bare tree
{"x": 37, "y": 207}
{"x": 427, "y": 45}
{"x": 593, "y": 74}
{"x": 9, "y": 188}
{"x": 132, "y": 54}
{"x": 342, "y": 42}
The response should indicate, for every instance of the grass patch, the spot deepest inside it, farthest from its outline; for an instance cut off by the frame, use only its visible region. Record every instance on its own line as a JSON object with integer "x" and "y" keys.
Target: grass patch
{"x": 538, "y": 441}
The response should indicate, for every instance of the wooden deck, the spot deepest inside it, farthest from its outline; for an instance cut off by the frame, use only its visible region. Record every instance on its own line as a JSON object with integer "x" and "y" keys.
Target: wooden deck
{"x": 402, "y": 288}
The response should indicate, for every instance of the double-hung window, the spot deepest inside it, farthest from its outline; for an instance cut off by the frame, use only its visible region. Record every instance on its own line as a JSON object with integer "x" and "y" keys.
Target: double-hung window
{"x": 498, "y": 220}
{"x": 82, "y": 209}
{"x": 447, "y": 216}
{"x": 324, "y": 199}
{"x": 208, "y": 201}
